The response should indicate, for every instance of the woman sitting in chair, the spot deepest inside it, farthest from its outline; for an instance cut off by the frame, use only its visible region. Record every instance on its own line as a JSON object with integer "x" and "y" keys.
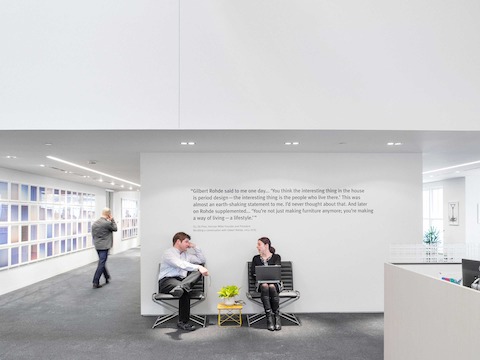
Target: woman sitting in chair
{"x": 268, "y": 292}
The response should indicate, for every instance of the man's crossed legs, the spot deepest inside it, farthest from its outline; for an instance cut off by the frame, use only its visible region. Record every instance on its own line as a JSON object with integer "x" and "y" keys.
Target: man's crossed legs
{"x": 181, "y": 288}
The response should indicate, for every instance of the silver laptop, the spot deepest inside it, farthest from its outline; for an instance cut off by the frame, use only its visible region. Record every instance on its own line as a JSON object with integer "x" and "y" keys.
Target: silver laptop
{"x": 269, "y": 274}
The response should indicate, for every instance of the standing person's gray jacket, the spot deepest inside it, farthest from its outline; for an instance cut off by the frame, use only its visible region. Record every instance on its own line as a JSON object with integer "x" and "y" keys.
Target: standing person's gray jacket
{"x": 102, "y": 233}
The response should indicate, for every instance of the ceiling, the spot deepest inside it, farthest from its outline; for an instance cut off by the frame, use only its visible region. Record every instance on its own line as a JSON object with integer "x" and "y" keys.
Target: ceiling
{"x": 117, "y": 152}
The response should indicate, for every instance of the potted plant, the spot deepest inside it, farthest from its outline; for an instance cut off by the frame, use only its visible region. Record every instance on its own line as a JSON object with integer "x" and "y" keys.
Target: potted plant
{"x": 431, "y": 238}
{"x": 228, "y": 294}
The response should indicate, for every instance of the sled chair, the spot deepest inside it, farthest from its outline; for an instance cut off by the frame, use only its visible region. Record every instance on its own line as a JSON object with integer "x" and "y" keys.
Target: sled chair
{"x": 287, "y": 296}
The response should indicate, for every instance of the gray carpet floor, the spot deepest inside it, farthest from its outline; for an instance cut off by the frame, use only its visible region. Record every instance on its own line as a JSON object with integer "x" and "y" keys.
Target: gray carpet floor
{"x": 64, "y": 318}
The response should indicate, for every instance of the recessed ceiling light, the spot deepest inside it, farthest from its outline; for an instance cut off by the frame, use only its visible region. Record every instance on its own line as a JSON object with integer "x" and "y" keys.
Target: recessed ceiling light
{"x": 191, "y": 143}
{"x": 288, "y": 143}
{"x": 10, "y": 157}
{"x": 42, "y": 165}
{"x": 394, "y": 143}
{"x": 48, "y": 144}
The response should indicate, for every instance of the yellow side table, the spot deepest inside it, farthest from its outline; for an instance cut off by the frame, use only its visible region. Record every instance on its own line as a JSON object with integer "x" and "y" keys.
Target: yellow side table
{"x": 230, "y": 313}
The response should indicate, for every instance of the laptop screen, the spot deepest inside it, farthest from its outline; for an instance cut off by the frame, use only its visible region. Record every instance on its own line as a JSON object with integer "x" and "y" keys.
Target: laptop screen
{"x": 269, "y": 274}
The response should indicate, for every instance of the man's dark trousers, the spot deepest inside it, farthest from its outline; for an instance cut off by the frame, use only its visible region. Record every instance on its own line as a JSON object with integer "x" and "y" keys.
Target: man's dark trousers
{"x": 102, "y": 266}
{"x": 166, "y": 284}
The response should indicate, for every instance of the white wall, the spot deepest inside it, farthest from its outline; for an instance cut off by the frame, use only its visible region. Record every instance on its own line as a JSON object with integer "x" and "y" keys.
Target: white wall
{"x": 110, "y": 65}
{"x": 472, "y": 208}
{"x": 260, "y": 64}
{"x": 429, "y": 319}
{"x": 214, "y": 64}
{"x": 24, "y": 275}
{"x": 338, "y": 258}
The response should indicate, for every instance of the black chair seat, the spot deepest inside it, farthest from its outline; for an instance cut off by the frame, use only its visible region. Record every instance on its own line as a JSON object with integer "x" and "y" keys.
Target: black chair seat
{"x": 283, "y": 294}
{"x": 194, "y": 295}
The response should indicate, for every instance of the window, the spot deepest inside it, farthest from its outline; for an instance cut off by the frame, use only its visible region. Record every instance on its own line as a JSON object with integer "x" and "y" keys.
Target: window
{"x": 433, "y": 211}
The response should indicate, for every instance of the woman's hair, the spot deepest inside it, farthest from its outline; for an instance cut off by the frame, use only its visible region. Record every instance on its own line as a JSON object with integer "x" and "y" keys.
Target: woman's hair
{"x": 267, "y": 241}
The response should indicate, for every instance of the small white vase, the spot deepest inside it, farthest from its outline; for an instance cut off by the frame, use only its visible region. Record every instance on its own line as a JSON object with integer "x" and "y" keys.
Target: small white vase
{"x": 229, "y": 301}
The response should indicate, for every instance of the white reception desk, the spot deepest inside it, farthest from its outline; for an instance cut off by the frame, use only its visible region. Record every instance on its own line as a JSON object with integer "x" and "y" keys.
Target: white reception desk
{"x": 429, "y": 318}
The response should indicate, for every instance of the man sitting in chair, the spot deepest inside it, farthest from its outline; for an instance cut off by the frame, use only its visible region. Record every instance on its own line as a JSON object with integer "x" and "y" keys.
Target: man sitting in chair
{"x": 179, "y": 271}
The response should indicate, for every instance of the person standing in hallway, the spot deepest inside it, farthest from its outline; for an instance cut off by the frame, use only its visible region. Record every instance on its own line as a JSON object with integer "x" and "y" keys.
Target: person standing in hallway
{"x": 102, "y": 233}
{"x": 180, "y": 269}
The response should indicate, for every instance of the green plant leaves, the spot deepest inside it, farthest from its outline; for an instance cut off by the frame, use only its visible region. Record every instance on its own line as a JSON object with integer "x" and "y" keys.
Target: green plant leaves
{"x": 431, "y": 236}
{"x": 228, "y": 291}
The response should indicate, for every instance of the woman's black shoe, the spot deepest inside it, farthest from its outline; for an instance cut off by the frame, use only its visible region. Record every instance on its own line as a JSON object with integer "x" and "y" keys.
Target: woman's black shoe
{"x": 270, "y": 325}
{"x": 278, "y": 322}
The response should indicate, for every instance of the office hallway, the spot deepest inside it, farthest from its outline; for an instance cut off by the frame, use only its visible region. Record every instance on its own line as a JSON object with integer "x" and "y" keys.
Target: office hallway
{"x": 64, "y": 318}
